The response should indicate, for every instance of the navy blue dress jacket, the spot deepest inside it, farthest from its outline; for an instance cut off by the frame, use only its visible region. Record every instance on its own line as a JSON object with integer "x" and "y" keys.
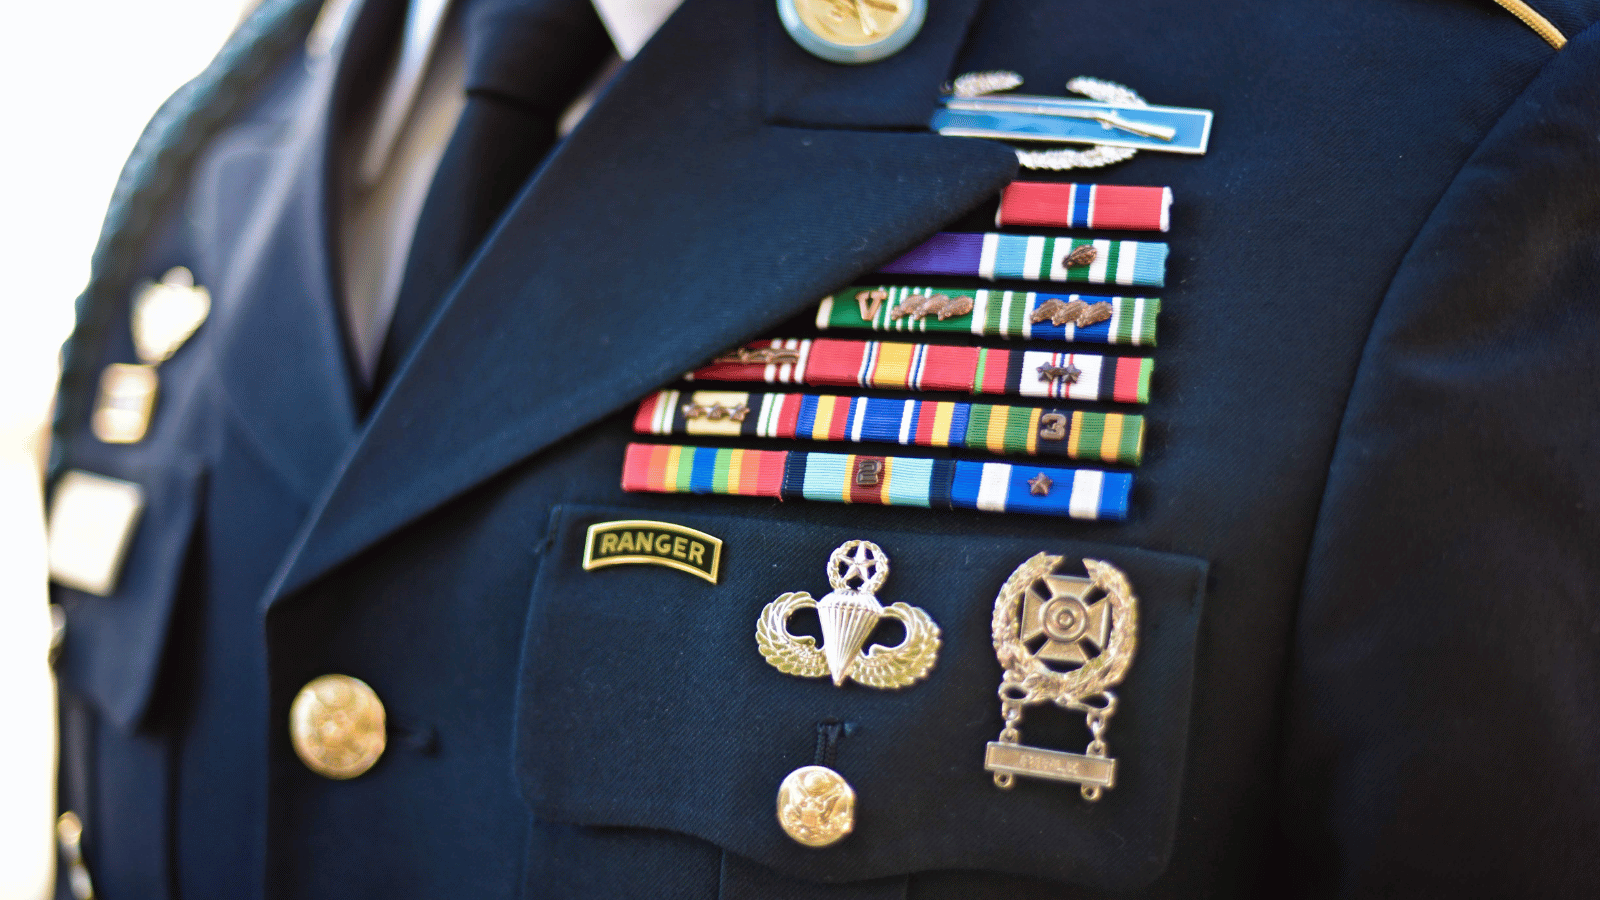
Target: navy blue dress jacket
{"x": 1366, "y": 535}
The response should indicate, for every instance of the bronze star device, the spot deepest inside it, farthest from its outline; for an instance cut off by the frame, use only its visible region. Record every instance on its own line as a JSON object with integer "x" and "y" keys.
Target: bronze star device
{"x": 1066, "y": 640}
{"x": 849, "y": 613}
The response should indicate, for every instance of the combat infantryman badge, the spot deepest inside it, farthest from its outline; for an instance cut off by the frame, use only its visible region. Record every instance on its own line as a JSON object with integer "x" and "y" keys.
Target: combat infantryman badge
{"x": 1065, "y": 640}
{"x": 1113, "y": 118}
{"x": 849, "y": 613}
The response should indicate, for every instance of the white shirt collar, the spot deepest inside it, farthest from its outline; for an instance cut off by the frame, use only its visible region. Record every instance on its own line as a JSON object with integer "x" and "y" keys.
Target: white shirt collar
{"x": 633, "y": 22}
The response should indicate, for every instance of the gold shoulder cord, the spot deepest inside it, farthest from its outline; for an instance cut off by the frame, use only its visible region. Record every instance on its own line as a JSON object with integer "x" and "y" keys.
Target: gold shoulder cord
{"x": 1531, "y": 18}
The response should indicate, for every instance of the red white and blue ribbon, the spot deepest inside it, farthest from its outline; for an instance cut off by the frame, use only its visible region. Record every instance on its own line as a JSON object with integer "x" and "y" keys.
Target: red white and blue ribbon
{"x": 1109, "y": 207}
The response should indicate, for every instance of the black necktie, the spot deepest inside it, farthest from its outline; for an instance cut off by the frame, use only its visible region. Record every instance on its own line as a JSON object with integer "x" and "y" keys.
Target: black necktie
{"x": 526, "y": 61}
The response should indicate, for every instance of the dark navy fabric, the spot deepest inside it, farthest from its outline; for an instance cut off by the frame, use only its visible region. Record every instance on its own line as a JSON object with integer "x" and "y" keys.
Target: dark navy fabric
{"x": 1370, "y": 425}
{"x": 1451, "y": 618}
{"x": 745, "y": 880}
{"x": 806, "y": 92}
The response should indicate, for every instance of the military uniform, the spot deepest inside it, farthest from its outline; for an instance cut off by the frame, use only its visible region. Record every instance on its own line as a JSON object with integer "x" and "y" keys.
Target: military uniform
{"x": 1362, "y": 534}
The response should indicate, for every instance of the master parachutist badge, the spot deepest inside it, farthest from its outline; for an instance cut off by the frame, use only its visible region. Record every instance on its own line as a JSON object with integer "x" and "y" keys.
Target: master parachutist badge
{"x": 1066, "y": 640}
{"x": 849, "y": 613}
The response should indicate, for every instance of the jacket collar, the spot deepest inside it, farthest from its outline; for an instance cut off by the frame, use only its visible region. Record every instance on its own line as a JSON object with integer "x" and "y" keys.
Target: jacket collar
{"x": 286, "y": 370}
{"x": 724, "y": 182}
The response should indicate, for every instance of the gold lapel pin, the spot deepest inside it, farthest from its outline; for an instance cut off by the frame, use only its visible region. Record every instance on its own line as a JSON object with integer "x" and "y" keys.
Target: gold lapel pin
{"x": 1066, "y": 640}
{"x": 849, "y": 613}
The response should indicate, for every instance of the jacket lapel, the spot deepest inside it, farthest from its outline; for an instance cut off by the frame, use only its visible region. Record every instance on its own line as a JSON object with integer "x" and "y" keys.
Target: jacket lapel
{"x": 712, "y": 193}
{"x": 285, "y": 368}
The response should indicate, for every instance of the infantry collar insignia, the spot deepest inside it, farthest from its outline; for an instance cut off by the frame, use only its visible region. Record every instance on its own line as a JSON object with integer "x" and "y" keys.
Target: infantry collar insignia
{"x": 852, "y": 31}
{"x": 849, "y": 613}
{"x": 642, "y": 541}
{"x": 1115, "y": 119}
{"x": 1065, "y": 640}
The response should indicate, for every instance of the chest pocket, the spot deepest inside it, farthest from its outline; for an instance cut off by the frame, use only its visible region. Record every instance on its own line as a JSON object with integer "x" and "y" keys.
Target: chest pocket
{"x": 645, "y": 703}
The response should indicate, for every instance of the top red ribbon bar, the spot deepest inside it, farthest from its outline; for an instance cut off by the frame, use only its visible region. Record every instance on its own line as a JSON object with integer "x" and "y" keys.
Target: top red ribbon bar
{"x": 1111, "y": 207}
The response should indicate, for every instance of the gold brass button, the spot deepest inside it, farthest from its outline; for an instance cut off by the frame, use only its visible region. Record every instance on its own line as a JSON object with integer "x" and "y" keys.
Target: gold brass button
{"x": 337, "y": 725}
{"x": 852, "y": 31}
{"x": 816, "y": 806}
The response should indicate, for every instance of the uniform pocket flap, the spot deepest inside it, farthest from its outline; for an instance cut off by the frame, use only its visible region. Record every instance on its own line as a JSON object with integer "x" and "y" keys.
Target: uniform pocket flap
{"x": 112, "y": 650}
{"x": 644, "y": 702}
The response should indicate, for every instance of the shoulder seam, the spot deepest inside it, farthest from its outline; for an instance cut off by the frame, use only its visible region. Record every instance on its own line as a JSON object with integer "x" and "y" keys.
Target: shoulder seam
{"x": 177, "y": 132}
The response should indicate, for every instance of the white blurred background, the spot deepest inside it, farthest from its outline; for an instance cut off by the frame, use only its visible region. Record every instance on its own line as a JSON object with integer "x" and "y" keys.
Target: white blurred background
{"x": 78, "y": 82}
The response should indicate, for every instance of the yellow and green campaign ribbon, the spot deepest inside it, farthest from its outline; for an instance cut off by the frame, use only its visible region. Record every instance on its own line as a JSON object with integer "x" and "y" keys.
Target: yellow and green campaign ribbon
{"x": 1116, "y": 438}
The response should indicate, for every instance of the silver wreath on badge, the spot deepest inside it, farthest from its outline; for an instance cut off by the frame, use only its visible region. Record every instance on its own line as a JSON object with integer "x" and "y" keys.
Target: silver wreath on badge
{"x": 848, "y": 614}
{"x": 980, "y": 84}
{"x": 1064, "y": 640}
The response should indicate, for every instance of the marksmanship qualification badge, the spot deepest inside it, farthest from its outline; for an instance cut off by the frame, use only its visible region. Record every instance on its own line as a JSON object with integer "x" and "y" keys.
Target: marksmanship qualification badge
{"x": 849, "y": 613}
{"x": 1066, "y": 640}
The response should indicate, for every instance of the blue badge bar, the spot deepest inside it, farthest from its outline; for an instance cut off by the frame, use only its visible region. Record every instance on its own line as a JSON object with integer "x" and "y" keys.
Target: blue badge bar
{"x": 1014, "y": 117}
